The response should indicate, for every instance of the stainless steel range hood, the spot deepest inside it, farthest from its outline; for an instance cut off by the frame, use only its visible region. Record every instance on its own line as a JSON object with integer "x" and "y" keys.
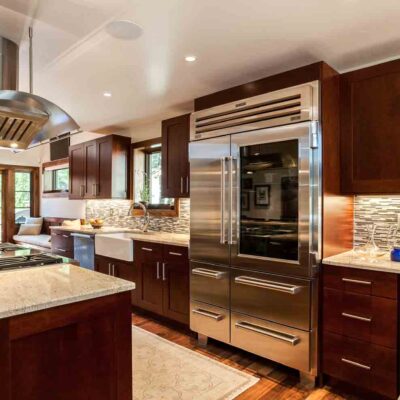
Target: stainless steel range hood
{"x": 26, "y": 119}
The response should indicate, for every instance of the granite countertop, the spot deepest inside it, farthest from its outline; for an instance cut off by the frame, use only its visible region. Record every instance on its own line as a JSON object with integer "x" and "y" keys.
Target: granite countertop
{"x": 353, "y": 260}
{"x": 89, "y": 230}
{"x": 33, "y": 289}
{"x": 174, "y": 239}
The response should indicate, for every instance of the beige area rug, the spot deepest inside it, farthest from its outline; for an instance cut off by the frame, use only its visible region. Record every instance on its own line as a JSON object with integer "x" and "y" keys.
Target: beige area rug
{"x": 163, "y": 370}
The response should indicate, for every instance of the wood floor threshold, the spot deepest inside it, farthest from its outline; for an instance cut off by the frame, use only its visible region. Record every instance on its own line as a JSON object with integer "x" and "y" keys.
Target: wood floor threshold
{"x": 276, "y": 381}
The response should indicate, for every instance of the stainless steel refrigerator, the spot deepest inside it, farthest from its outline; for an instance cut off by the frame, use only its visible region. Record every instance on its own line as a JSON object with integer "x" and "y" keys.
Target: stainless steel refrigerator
{"x": 255, "y": 225}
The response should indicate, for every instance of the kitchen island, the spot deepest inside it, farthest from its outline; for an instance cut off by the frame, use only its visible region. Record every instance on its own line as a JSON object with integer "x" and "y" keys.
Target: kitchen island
{"x": 65, "y": 333}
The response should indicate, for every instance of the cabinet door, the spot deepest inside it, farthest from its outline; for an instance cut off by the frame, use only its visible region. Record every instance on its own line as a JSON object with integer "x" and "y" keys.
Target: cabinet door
{"x": 148, "y": 259}
{"x": 104, "y": 167}
{"x": 103, "y": 265}
{"x": 175, "y": 159}
{"x": 77, "y": 170}
{"x": 370, "y": 116}
{"x": 175, "y": 275}
{"x": 90, "y": 176}
{"x": 127, "y": 271}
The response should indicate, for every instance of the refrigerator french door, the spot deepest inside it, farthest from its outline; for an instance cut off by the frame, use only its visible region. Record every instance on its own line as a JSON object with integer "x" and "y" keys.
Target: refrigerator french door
{"x": 255, "y": 200}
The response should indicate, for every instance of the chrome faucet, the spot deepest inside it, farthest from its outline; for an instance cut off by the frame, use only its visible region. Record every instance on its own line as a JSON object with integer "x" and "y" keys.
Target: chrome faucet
{"x": 146, "y": 215}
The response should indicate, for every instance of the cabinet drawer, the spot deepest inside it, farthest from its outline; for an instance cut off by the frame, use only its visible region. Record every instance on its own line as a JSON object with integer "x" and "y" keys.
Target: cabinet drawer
{"x": 62, "y": 252}
{"x": 210, "y": 321}
{"x": 175, "y": 254}
{"x": 382, "y": 284}
{"x": 363, "y": 317}
{"x": 369, "y": 366}
{"x": 276, "y": 342}
{"x": 148, "y": 251}
{"x": 209, "y": 284}
{"x": 62, "y": 242}
{"x": 274, "y": 298}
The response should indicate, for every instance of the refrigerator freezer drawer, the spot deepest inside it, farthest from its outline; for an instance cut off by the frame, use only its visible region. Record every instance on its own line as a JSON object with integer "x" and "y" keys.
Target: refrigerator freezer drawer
{"x": 210, "y": 321}
{"x": 274, "y": 298}
{"x": 209, "y": 284}
{"x": 276, "y": 342}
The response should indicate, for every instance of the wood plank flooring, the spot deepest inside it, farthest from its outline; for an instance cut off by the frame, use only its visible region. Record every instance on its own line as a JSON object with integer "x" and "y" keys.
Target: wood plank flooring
{"x": 276, "y": 381}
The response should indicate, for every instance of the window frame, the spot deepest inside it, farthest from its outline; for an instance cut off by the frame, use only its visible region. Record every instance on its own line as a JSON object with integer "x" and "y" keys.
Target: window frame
{"x": 63, "y": 163}
{"x": 157, "y": 212}
{"x": 30, "y": 191}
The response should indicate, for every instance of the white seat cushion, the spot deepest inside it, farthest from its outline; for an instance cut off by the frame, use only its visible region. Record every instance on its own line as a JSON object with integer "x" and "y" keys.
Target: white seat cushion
{"x": 36, "y": 240}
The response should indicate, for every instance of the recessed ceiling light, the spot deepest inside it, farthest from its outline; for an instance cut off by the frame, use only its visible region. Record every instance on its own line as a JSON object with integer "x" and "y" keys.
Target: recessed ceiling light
{"x": 107, "y": 94}
{"x": 124, "y": 29}
{"x": 14, "y": 145}
{"x": 190, "y": 58}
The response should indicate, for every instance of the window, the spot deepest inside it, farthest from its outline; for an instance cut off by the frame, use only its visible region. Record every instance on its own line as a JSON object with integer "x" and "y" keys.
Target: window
{"x": 147, "y": 162}
{"x": 23, "y": 196}
{"x": 1, "y": 206}
{"x": 56, "y": 180}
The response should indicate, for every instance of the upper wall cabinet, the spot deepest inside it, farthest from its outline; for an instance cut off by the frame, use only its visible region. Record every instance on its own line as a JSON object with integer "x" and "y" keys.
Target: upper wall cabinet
{"x": 99, "y": 169}
{"x": 175, "y": 157}
{"x": 370, "y": 131}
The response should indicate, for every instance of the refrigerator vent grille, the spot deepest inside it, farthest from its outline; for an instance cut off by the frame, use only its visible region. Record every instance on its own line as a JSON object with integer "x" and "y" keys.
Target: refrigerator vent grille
{"x": 272, "y": 109}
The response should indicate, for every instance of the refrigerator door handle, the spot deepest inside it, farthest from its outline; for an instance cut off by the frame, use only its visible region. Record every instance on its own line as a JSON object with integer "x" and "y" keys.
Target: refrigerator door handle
{"x": 223, "y": 201}
{"x": 231, "y": 213}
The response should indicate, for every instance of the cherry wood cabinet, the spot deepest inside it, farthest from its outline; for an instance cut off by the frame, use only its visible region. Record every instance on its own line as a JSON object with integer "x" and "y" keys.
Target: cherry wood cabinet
{"x": 163, "y": 280}
{"x": 118, "y": 268}
{"x": 360, "y": 327}
{"x": 175, "y": 157}
{"x": 62, "y": 243}
{"x": 370, "y": 121}
{"x": 99, "y": 169}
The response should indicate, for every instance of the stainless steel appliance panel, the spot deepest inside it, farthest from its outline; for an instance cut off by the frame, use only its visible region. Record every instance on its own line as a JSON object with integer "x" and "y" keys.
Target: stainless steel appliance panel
{"x": 210, "y": 284}
{"x": 274, "y": 298}
{"x": 276, "y": 342}
{"x": 282, "y": 226}
{"x": 210, "y": 321}
{"x": 209, "y": 213}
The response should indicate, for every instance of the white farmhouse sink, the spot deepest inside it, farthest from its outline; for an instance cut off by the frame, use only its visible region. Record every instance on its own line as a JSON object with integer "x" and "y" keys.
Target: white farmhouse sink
{"x": 115, "y": 245}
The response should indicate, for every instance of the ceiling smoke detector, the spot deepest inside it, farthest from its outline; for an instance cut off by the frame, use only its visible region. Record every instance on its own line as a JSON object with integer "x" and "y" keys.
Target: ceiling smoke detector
{"x": 124, "y": 29}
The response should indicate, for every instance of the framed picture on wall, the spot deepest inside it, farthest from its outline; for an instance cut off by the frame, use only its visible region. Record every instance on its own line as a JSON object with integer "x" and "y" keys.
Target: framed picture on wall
{"x": 262, "y": 196}
{"x": 245, "y": 201}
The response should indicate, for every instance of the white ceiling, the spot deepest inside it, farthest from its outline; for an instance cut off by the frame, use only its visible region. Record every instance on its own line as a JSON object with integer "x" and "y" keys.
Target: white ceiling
{"x": 235, "y": 41}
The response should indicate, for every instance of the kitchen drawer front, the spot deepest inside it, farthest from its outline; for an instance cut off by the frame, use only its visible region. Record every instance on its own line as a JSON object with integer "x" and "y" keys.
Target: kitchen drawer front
{"x": 369, "y": 318}
{"x": 274, "y": 298}
{"x": 209, "y": 284}
{"x": 63, "y": 253}
{"x": 175, "y": 254}
{"x": 62, "y": 241}
{"x": 369, "y": 366}
{"x": 276, "y": 342}
{"x": 381, "y": 284}
{"x": 210, "y": 321}
{"x": 148, "y": 250}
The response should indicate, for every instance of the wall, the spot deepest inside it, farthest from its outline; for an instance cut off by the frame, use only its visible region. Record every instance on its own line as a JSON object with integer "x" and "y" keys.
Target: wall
{"x": 115, "y": 212}
{"x": 384, "y": 211}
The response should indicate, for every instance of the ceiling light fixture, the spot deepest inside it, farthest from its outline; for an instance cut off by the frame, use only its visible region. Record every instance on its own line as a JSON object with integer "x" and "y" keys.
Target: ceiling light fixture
{"x": 190, "y": 58}
{"x": 107, "y": 94}
{"x": 14, "y": 145}
{"x": 124, "y": 29}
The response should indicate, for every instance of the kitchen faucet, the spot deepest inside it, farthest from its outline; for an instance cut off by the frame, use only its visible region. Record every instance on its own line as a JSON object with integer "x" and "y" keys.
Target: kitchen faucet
{"x": 146, "y": 215}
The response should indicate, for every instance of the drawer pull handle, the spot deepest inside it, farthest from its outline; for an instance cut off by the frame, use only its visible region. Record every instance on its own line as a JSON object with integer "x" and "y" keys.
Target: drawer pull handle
{"x": 62, "y": 250}
{"x": 270, "y": 285}
{"x": 146, "y": 249}
{"x": 356, "y": 364}
{"x": 175, "y": 254}
{"x": 356, "y": 281}
{"x": 209, "y": 273}
{"x": 209, "y": 314}
{"x": 293, "y": 340}
{"x": 357, "y": 317}
{"x": 66, "y": 236}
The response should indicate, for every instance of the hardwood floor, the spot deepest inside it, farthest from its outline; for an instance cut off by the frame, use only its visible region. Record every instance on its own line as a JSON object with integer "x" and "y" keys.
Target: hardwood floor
{"x": 276, "y": 381}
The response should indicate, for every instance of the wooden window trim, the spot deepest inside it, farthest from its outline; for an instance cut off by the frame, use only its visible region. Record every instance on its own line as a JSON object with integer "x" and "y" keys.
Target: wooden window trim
{"x": 50, "y": 164}
{"x": 156, "y": 213}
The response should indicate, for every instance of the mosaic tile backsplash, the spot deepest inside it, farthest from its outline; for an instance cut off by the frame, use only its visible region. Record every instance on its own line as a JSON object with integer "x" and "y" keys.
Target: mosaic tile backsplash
{"x": 115, "y": 212}
{"x": 381, "y": 210}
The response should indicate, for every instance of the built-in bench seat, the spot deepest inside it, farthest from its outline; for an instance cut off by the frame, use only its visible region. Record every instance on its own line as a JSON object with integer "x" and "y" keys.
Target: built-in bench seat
{"x": 41, "y": 242}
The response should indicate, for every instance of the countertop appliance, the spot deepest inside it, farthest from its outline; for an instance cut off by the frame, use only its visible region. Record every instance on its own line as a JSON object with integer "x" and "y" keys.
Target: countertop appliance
{"x": 255, "y": 172}
{"x": 16, "y": 257}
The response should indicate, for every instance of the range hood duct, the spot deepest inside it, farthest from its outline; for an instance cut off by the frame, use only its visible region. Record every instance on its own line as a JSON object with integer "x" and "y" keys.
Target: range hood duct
{"x": 26, "y": 119}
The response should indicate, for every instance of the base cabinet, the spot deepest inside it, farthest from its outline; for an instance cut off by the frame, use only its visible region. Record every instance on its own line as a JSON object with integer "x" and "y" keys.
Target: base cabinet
{"x": 163, "y": 280}
{"x": 360, "y": 328}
